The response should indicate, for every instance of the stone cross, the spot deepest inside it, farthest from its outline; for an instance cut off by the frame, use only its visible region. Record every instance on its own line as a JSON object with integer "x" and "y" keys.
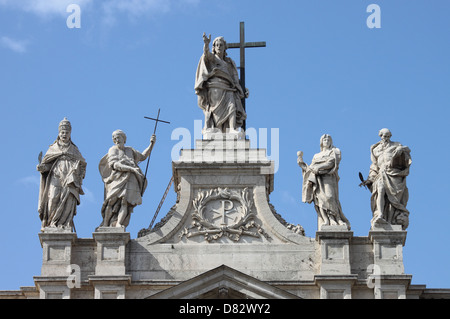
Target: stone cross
{"x": 242, "y": 45}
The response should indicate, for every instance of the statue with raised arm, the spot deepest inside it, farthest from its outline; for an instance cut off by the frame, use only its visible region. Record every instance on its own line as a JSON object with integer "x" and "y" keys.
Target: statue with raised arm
{"x": 387, "y": 181}
{"x": 218, "y": 89}
{"x": 124, "y": 181}
{"x": 320, "y": 183}
{"x": 62, "y": 172}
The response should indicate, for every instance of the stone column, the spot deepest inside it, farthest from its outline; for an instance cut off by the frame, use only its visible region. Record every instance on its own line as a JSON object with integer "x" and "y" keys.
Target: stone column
{"x": 388, "y": 273}
{"x": 110, "y": 279}
{"x": 56, "y": 264}
{"x": 335, "y": 278}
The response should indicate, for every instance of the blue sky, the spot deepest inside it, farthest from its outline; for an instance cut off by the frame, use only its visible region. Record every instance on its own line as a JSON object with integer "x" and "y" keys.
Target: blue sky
{"x": 323, "y": 71}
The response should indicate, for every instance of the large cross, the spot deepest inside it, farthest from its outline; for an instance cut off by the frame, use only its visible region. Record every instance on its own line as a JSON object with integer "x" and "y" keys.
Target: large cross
{"x": 156, "y": 121}
{"x": 154, "y": 132}
{"x": 242, "y": 45}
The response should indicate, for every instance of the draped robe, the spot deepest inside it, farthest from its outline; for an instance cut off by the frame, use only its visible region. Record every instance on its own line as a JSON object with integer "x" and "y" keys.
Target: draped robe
{"x": 388, "y": 172}
{"x": 219, "y": 92}
{"x": 61, "y": 185}
{"x": 121, "y": 184}
{"x": 322, "y": 188}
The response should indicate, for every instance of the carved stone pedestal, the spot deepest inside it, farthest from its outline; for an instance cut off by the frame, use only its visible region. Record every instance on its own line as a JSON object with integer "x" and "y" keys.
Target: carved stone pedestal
{"x": 388, "y": 273}
{"x": 335, "y": 279}
{"x": 56, "y": 263}
{"x": 110, "y": 279}
{"x": 335, "y": 286}
{"x": 224, "y": 149}
{"x": 110, "y": 287}
{"x": 228, "y": 183}
{"x": 388, "y": 245}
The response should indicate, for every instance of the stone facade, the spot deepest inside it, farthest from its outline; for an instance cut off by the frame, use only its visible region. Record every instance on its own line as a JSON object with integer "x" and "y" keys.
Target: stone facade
{"x": 224, "y": 239}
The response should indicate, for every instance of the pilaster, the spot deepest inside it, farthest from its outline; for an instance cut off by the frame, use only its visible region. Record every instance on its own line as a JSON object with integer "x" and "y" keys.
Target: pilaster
{"x": 335, "y": 278}
{"x": 110, "y": 279}
{"x": 388, "y": 245}
{"x": 56, "y": 252}
{"x": 55, "y": 287}
{"x": 56, "y": 264}
{"x": 389, "y": 280}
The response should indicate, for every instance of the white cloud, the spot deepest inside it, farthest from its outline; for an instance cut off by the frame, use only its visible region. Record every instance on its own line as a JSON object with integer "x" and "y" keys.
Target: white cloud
{"x": 132, "y": 8}
{"x": 108, "y": 7}
{"x": 19, "y": 46}
{"x": 43, "y": 8}
{"x": 33, "y": 180}
{"x": 108, "y": 11}
{"x": 88, "y": 197}
{"x": 138, "y": 7}
{"x": 287, "y": 198}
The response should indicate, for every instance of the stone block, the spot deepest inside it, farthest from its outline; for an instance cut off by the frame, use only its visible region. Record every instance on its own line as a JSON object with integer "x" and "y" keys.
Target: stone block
{"x": 335, "y": 286}
{"x": 388, "y": 249}
{"x": 56, "y": 252}
{"x": 52, "y": 287}
{"x": 334, "y": 244}
{"x": 110, "y": 287}
{"x": 111, "y": 244}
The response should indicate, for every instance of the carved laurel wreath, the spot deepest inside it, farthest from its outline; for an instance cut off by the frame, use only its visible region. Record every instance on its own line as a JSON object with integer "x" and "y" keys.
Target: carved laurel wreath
{"x": 213, "y": 232}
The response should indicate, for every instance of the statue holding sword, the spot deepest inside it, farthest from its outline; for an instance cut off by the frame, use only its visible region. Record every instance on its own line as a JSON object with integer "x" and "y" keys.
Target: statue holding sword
{"x": 390, "y": 166}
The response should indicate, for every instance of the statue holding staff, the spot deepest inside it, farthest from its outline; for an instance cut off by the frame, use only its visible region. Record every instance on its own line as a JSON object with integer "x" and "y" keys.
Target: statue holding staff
{"x": 124, "y": 181}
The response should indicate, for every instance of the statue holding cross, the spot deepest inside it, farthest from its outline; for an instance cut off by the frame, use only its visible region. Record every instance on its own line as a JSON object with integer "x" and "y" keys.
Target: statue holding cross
{"x": 221, "y": 94}
{"x": 218, "y": 89}
{"x": 124, "y": 181}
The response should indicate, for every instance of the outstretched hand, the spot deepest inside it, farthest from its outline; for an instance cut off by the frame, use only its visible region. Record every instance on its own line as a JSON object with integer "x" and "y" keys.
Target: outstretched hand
{"x": 206, "y": 40}
{"x": 365, "y": 183}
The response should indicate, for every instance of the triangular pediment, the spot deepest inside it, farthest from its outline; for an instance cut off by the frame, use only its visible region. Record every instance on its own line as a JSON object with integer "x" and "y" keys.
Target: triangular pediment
{"x": 223, "y": 283}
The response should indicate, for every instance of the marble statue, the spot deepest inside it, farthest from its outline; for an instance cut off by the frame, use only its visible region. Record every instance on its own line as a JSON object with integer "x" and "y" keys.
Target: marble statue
{"x": 320, "y": 183}
{"x": 218, "y": 89}
{"x": 124, "y": 181}
{"x": 387, "y": 181}
{"x": 62, "y": 172}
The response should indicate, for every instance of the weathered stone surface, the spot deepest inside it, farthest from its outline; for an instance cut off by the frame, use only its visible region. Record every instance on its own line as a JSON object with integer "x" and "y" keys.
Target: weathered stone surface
{"x": 224, "y": 239}
{"x": 321, "y": 184}
{"x": 387, "y": 181}
{"x": 124, "y": 181}
{"x": 218, "y": 89}
{"x": 62, "y": 172}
